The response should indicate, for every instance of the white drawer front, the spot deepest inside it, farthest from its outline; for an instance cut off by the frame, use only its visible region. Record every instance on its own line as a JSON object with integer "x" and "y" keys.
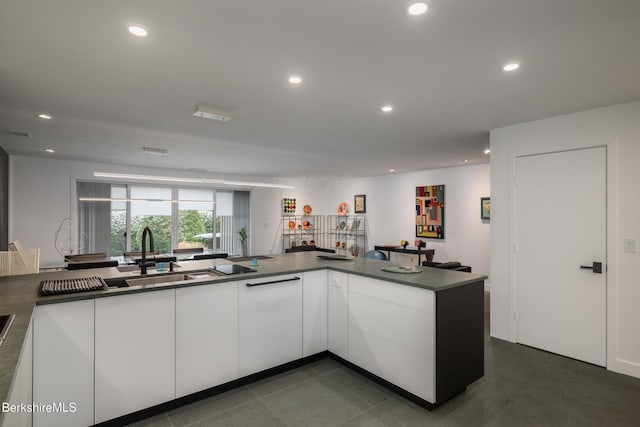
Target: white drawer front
{"x": 398, "y": 324}
{"x": 270, "y": 323}
{"x": 206, "y": 336}
{"x": 412, "y": 371}
{"x": 409, "y": 296}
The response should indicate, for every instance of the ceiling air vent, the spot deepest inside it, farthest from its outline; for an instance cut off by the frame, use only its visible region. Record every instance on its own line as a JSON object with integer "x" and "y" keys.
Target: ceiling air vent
{"x": 208, "y": 112}
{"x": 22, "y": 133}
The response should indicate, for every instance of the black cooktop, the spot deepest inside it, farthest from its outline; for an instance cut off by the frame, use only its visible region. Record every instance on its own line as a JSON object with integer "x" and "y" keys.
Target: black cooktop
{"x": 232, "y": 269}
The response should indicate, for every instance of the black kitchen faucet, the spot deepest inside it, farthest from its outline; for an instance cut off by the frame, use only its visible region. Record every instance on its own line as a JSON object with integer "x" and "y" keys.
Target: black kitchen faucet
{"x": 143, "y": 261}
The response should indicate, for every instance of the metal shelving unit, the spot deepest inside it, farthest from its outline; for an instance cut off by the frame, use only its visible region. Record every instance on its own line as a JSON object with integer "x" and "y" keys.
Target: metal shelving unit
{"x": 302, "y": 230}
{"x": 347, "y": 234}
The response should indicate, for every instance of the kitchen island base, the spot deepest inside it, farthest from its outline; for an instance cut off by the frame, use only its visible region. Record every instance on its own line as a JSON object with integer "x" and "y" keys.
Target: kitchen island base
{"x": 419, "y": 335}
{"x": 459, "y": 357}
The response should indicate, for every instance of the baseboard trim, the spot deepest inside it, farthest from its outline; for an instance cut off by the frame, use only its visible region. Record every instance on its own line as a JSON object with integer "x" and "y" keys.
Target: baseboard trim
{"x": 625, "y": 367}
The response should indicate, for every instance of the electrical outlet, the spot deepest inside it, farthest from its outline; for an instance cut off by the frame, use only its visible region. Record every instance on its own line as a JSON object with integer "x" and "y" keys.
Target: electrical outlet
{"x": 631, "y": 245}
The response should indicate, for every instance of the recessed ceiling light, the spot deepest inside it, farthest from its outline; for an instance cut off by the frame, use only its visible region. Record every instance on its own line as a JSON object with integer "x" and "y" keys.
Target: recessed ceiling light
{"x": 418, "y": 8}
{"x": 487, "y": 151}
{"x": 50, "y": 150}
{"x": 512, "y": 66}
{"x": 466, "y": 161}
{"x": 137, "y": 30}
{"x": 45, "y": 116}
{"x": 387, "y": 108}
{"x": 392, "y": 170}
{"x": 295, "y": 80}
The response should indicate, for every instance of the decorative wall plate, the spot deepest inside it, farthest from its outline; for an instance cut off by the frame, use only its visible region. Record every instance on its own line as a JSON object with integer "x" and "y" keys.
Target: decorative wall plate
{"x": 343, "y": 208}
{"x": 307, "y": 209}
{"x": 292, "y": 225}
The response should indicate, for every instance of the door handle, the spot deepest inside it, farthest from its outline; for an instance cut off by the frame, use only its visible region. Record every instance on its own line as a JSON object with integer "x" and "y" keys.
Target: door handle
{"x": 293, "y": 279}
{"x": 596, "y": 267}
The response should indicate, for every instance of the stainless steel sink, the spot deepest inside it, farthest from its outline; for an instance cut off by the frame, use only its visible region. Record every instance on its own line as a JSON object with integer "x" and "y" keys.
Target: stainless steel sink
{"x": 170, "y": 278}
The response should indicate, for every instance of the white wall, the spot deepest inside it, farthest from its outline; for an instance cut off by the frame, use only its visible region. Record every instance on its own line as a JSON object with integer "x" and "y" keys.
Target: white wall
{"x": 39, "y": 201}
{"x": 42, "y": 195}
{"x": 266, "y": 212}
{"x": 617, "y": 127}
{"x": 391, "y": 210}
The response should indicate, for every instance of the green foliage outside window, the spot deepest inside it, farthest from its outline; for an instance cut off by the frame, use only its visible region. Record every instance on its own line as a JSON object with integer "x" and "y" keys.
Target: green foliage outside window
{"x": 160, "y": 225}
{"x": 191, "y": 223}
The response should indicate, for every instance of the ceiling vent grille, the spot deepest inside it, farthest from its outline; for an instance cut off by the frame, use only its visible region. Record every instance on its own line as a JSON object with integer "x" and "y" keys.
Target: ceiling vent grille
{"x": 208, "y": 112}
{"x": 21, "y": 133}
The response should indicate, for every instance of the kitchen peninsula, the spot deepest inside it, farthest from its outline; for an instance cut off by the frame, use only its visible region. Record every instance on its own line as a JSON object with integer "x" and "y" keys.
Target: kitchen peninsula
{"x": 116, "y": 353}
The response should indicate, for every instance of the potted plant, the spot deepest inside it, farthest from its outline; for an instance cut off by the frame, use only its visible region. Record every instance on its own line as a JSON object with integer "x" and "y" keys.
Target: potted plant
{"x": 243, "y": 240}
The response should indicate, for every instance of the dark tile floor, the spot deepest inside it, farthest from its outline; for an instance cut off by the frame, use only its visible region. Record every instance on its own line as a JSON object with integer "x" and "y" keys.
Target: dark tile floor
{"x": 521, "y": 387}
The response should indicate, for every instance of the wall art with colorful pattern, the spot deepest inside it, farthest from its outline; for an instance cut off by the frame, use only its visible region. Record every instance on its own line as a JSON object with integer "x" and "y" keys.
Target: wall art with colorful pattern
{"x": 430, "y": 211}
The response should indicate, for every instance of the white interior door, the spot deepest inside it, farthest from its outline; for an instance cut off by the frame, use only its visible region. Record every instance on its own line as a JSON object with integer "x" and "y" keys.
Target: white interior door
{"x": 561, "y": 225}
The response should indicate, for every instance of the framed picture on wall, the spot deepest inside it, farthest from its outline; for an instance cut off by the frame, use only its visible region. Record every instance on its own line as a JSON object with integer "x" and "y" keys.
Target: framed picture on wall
{"x": 360, "y": 203}
{"x": 430, "y": 211}
{"x": 485, "y": 208}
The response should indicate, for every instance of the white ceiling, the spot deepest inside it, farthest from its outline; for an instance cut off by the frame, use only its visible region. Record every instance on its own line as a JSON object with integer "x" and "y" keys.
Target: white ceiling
{"x": 112, "y": 94}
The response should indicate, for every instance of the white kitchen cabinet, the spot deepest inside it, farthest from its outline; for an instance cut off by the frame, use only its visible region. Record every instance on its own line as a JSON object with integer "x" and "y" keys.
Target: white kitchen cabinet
{"x": 21, "y": 390}
{"x": 206, "y": 336}
{"x": 270, "y": 322}
{"x": 63, "y": 361}
{"x": 392, "y": 333}
{"x": 338, "y": 313}
{"x": 135, "y": 352}
{"x": 314, "y": 312}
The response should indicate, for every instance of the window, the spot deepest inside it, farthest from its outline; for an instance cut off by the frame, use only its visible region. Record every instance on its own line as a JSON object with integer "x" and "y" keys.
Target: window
{"x": 178, "y": 217}
{"x": 195, "y": 219}
{"x": 149, "y": 208}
